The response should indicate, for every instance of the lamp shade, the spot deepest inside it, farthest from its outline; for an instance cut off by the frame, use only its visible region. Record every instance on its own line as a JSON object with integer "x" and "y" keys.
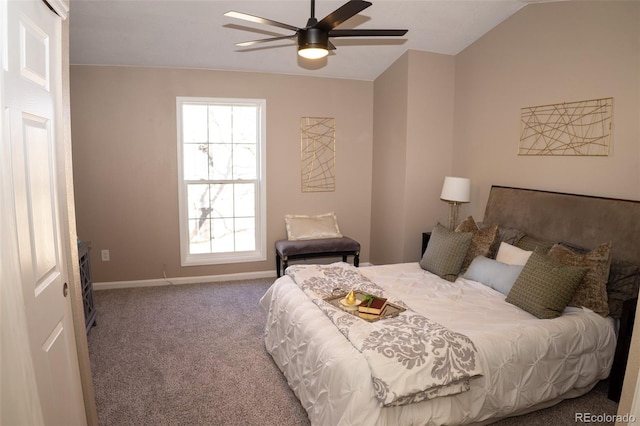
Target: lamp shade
{"x": 456, "y": 189}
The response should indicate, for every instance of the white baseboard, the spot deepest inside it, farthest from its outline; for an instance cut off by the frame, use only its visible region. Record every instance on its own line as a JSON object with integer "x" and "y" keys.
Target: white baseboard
{"x": 189, "y": 280}
{"x": 183, "y": 280}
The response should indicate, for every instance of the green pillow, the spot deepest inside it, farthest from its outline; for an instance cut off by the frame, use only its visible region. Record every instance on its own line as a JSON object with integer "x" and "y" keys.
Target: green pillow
{"x": 545, "y": 286}
{"x": 529, "y": 243}
{"x": 446, "y": 252}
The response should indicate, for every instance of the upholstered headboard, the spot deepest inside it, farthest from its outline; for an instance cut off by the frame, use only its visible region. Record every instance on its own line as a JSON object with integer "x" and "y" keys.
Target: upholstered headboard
{"x": 583, "y": 220}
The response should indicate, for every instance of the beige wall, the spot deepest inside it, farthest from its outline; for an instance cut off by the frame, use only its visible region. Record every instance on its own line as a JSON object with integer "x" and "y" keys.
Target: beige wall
{"x": 389, "y": 157}
{"x": 551, "y": 53}
{"x": 413, "y": 135}
{"x": 429, "y": 140}
{"x": 125, "y": 171}
{"x": 544, "y": 54}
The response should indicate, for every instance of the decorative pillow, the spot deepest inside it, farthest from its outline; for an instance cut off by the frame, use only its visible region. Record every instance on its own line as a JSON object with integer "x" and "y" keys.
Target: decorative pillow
{"x": 510, "y": 235}
{"x": 482, "y": 240}
{"x": 446, "y": 252}
{"x": 305, "y": 227}
{"x": 512, "y": 255}
{"x": 592, "y": 292}
{"x": 545, "y": 286}
{"x": 529, "y": 243}
{"x": 624, "y": 280}
{"x": 497, "y": 275}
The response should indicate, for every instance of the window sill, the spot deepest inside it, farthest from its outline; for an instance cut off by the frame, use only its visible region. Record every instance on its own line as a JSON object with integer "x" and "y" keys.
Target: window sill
{"x": 219, "y": 259}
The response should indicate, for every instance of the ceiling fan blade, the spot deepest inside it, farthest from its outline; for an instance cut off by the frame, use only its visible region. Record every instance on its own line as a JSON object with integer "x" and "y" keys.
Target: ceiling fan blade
{"x": 367, "y": 33}
{"x": 259, "y": 20}
{"x": 341, "y": 14}
{"x": 264, "y": 40}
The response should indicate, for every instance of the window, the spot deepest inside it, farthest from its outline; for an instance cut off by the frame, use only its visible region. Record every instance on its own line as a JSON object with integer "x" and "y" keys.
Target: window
{"x": 221, "y": 150}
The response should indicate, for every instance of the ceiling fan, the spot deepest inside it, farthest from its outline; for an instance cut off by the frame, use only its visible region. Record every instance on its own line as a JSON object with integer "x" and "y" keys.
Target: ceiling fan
{"x": 313, "y": 39}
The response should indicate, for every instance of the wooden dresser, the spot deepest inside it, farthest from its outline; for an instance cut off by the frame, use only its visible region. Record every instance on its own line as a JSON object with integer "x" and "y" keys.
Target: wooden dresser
{"x": 84, "y": 248}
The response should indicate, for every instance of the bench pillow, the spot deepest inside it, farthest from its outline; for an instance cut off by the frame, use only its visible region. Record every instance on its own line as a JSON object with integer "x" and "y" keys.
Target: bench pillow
{"x": 312, "y": 227}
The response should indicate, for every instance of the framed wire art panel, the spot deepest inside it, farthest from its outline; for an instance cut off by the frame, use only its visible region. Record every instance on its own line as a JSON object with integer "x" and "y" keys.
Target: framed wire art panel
{"x": 580, "y": 128}
{"x": 318, "y": 154}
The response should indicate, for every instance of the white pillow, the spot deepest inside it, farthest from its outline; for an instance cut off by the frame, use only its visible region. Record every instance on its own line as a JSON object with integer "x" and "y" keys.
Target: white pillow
{"x": 512, "y": 255}
{"x": 312, "y": 227}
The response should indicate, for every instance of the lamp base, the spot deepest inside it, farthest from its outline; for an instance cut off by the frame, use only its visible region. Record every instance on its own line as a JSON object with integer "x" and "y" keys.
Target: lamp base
{"x": 453, "y": 214}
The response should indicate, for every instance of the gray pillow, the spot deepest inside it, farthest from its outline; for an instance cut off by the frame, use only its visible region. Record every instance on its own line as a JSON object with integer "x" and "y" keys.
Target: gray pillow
{"x": 623, "y": 283}
{"x": 624, "y": 280}
{"x": 446, "y": 252}
{"x": 482, "y": 242}
{"x": 497, "y": 275}
{"x": 592, "y": 292}
{"x": 545, "y": 286}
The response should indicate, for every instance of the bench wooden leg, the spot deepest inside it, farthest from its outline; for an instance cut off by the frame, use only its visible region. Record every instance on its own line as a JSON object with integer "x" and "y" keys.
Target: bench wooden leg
{"x": 281, "y": 261}
{"x": 356, "y": 259}
{"x": 278, "y": 264}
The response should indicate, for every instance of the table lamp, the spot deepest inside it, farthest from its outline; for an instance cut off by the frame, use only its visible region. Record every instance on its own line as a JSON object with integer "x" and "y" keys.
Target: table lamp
{"x": 455, "y": 190}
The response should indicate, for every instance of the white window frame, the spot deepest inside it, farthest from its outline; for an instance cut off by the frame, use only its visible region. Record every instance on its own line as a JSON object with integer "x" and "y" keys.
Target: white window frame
{"x": 260, "y": 252}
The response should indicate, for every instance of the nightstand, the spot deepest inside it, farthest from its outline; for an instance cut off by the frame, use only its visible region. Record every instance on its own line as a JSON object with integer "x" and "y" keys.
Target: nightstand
{"x": 425, "y": 242}
{"x": 87, "y": 284}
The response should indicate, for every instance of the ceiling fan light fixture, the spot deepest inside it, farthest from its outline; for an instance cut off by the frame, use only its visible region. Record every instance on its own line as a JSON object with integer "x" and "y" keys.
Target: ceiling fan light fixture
{"x": 313, "y": 43}
{"x": 313, "y": 52}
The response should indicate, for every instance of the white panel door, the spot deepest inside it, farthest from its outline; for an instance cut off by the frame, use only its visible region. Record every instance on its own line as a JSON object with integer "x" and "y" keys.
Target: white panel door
{"x": 31, "y": 101}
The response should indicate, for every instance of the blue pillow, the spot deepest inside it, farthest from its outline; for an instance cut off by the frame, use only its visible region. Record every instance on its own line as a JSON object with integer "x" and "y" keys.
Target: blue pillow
{"x": 497, "y": 275}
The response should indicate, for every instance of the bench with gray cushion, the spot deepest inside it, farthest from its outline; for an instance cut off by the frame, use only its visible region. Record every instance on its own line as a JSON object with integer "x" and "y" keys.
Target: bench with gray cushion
{"x": 287, "y": 250}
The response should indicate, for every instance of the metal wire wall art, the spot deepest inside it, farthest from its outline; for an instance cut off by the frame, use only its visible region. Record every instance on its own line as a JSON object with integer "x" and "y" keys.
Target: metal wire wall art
{"x": 318, "y": 154}
{"x": 580, "y": 128}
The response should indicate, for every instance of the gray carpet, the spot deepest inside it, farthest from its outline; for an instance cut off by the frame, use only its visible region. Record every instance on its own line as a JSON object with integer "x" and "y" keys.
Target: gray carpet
{"x": 194, "y": 355}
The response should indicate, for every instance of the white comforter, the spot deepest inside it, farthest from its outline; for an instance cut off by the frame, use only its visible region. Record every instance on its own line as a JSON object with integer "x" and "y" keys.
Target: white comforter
{"x": 527, "y": 362}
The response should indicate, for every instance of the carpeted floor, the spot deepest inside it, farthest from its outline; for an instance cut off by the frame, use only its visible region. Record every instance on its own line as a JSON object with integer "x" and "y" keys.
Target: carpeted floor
{"x": 194, "y": 355}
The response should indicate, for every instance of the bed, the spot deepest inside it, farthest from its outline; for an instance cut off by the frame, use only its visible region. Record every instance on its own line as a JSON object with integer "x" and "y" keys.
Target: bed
{"x": 506, "y": 361}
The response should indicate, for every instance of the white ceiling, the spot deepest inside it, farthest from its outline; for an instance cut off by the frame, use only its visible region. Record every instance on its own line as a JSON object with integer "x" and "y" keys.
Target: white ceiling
{"x": 195, "y": 34}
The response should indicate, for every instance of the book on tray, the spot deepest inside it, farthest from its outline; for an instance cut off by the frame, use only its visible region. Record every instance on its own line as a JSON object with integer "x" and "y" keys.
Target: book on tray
{"x": 371, "y": 316}
{"x": 372, "y": 305}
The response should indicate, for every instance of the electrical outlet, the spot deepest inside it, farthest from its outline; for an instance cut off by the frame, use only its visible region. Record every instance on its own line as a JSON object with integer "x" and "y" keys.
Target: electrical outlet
{"x": 105, "y": 256}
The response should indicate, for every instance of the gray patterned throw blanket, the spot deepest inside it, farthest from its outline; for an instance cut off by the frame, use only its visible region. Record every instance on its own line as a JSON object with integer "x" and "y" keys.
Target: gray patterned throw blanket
{"x": 411, "y": 357}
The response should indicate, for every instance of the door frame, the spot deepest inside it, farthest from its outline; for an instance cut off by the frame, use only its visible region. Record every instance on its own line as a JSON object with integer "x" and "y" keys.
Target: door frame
{"x": 19, "y": 387}
{"x": 68, "y": 220}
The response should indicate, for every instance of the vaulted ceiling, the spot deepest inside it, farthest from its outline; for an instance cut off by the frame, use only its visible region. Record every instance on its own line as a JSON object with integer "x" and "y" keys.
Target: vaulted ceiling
{"x": 196, "y": 34}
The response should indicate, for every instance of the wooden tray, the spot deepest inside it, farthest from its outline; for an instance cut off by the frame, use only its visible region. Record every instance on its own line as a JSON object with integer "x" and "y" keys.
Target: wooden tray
{"x": 392, "y": 310}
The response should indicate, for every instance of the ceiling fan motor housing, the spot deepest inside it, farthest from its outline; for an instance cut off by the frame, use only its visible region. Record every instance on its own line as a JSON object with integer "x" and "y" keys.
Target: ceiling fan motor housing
{"x": 309, "y": 38}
